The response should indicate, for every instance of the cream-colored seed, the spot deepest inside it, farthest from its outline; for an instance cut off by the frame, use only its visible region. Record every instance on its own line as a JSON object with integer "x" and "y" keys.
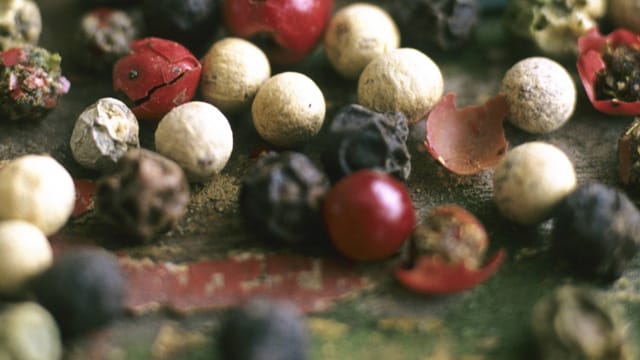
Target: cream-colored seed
{"x": 24, "y": 253}
{"x": 288, "y": 110}
{"x": 531, "y": 180}
{"x": 232, "y": 71}
{"x": 28, "y": 332}
{"x": 404, "y": 80}
{"x": 37, "y": 189}
{"x": 357, "y": 34}
{"x": 198, "y": 137}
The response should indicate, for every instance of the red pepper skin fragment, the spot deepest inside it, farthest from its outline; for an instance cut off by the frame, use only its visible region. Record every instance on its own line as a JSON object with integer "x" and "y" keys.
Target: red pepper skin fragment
{"x": 591, "y": 47}
{"x": 433, "y": 275}
{"x": 467, "y": 140}
{"x": 85, "y": 190}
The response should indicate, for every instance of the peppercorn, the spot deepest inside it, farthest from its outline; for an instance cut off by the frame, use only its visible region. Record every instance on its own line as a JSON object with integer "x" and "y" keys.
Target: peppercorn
{"x": 403, "y": 80}
{"x": 288, "y": 109}
{"x": 597, "y": 231}
{"x": 578, "y": 323}
{"x": 84, "y": 290}
{"x": 281, "y": 196}
{"x": 540, "y": 95}
{"x": 357, "y": 34}
{"x": 198, "y": 137}
{"x": 24, "y": 253}
{"x": 620, "y": 78}
{"x": 263, "y": 329}
{"x": 629, "y": 155}
{"x": 232, "y": 72}
{"x": 146, "y": 195}
{"x": 20, "y": 23}
{"x": 192, "y": 23}
{"x": 28, "y": 332}
{"x": 103, "y": 133}
{"x": 359, "y": 138}
{"x": 531, "y": 180}
{"x": 30, "y": 82}
{"x": 104, "y": 36}
{"x": 36, "y": 189}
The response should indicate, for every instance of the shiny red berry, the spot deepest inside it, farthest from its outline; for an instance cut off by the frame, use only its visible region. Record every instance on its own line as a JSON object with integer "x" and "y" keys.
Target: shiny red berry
{"x": 368, "y": 215}
{"x": 156, "y": 76}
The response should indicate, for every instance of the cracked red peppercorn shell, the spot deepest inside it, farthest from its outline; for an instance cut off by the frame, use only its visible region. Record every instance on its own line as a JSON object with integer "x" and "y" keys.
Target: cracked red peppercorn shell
{"x": 156, "y": 76}
{"x": 368, "y": 215}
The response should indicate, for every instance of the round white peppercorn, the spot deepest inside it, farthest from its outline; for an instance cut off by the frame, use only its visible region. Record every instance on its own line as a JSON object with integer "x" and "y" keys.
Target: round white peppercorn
{"x": 357, "y": 34}
{"x": 540, "y": 95}
{"x": 29, "y": 332}
{"x": 232, "y": 71}
{"x": 20, "y": 23}
{"x": 198, "y": 137}
{"x": 288, "y": 110}
{"x": 37, "y": 189}
{"x": 531, "y": 180}
{"x": 103, "y": 133}
{"x": 24, "y": 253}
{"x": 404, "y": 80}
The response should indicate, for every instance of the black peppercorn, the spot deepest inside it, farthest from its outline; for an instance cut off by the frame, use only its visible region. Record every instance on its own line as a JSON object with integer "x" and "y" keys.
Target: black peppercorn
{"x": 597, "y": 230}
{"x": 281, "y": 197}
{"x": 363, "y": 139}
{"x": 146, "y": 195}
{"x": 263, "y": 329}
{"x": 84, "y": 290}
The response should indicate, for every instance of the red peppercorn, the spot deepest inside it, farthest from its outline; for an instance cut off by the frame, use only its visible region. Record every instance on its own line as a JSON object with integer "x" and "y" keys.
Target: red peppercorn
{"x": 156, "y": 76}
{"x": 368, "y": 215}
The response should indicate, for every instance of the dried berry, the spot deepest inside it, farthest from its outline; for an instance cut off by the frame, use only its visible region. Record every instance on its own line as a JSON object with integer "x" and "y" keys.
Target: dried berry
{"x": 578, "y": 323}
{"x": 146, "y": 195}
{"x": 263, "y": 329}
{"x": 363, "y": 139}
{"x": 84, "y": 290}
{"x": 103, "y": 133}
{"x": 20, "y": 23}
{"x": 31, "y": 82}
{"x": 28, "y": 332}
{"x": 281, "y": 197}
{"x": 620, "y": 78}
{"x": 597, "y": 231}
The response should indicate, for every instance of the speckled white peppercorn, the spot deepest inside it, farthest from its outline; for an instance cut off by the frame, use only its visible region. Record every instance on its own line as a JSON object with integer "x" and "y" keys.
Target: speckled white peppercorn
{"x": 540, "y": 95}
{"x": 530, "y": 180}
{"x": 28, "y": 332}
{"x": 232, "y": 71}
{"x": 103, "y": 133}
{"x": 24, "y": 253}
{"x": 288, "y": 110}
{"x": 198, "y": 137}
{"x": 357, "y": 34}
{"x": 37, "y": 189}
{"x": 404, "y": 80}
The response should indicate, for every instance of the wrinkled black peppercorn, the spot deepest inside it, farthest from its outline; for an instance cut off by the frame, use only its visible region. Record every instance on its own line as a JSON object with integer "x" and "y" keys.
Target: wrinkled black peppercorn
{"x": 597, "y": 230}
{"x": 281, "y": 197}
{"x": 146, "y": 195}
{"x": 84, "y": 290}
{"x": 363, "y": 139}
{"x": 263, "y": 329}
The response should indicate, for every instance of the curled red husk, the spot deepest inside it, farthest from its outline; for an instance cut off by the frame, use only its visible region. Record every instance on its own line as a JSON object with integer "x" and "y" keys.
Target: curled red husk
{"x": 591, "y": 46}
{"x": 467, "y": 140}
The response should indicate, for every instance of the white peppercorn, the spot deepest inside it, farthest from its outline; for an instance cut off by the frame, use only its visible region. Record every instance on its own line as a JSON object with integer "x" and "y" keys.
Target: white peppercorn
{"x": 357, "y": 34}
{"x": 103, "y": 133}
{"x": 24, "y": 253}
{"x": 37, "y": 189}
{"x": 28, "y": 332}
{"x": 404, "y": 80}
{"x": 288, "y": 110}
{"x": 531, "y": 180}
{"x": 540, "y": 95}
{"x": 232, "y": 71}
{"x": 198, "y": 137}
{"x": 20, "y": 23}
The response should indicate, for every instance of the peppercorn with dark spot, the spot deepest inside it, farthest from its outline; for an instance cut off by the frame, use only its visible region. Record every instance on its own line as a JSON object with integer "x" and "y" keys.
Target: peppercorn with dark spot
{"x": 596, "y": 230}
{"x": 263, "y": 329}
{"x": 360, "y": 138}
{"x": 146, "y": 195}
{"x": 281, "y": 196}
{"x": 84, "y": 290}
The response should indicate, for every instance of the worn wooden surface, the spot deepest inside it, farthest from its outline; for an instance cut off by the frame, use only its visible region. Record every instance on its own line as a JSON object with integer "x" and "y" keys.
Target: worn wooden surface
{"x": 374, "y": 318}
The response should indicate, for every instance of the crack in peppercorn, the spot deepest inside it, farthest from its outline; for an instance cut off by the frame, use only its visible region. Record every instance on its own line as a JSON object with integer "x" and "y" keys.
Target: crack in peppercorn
{"x": 138, "y": 102}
